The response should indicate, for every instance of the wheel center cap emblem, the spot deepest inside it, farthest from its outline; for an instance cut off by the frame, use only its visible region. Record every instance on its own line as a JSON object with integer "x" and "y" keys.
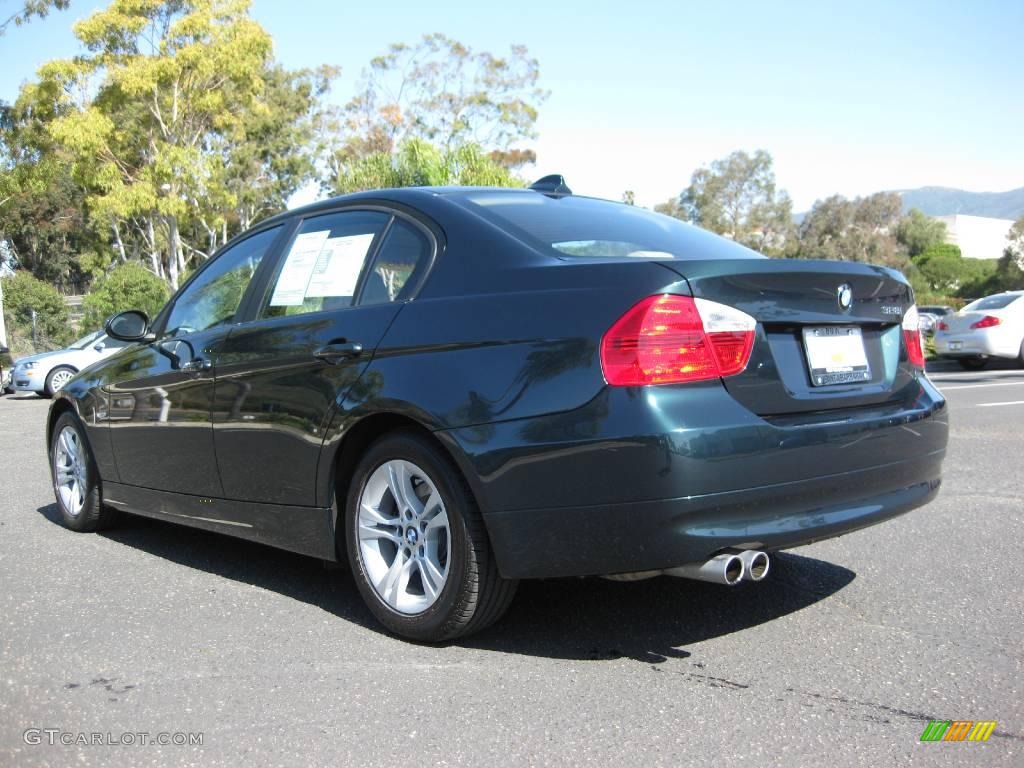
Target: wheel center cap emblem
{"x": 411, "y": 536}
{"x": 845, "y": 295}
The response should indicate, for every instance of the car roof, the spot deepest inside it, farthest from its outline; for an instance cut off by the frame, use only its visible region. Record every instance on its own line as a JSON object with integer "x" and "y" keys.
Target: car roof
{"x": 407, "y": 195}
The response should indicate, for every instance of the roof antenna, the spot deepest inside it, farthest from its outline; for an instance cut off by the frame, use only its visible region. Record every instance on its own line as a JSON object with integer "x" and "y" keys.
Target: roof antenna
{"x": 552, "y": 186}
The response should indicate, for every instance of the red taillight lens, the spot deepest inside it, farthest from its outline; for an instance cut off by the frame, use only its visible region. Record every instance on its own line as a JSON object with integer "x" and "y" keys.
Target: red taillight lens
{"x": 674, "y": 339}
{"x": 986, "y": 322}
{"x": 942, "y": 325}
{"x": 912, "y": 337}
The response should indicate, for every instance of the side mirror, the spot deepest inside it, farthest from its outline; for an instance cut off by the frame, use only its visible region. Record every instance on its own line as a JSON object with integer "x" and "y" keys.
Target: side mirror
{"x": 130, "y": 325}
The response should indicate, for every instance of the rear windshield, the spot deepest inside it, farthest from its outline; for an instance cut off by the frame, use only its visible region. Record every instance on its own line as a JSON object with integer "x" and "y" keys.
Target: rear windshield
{"x": 993, "y": 302}
{"x": 583, "y": 227}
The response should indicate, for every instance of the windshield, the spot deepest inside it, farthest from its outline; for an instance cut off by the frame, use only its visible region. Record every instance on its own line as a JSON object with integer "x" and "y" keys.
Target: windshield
{"x": 85, "y": 341}
{"x": 992, "y": 302}
{"x": 583, "y": 227}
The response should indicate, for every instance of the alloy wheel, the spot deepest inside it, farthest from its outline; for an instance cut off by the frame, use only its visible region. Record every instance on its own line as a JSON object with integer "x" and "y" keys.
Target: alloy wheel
{"x": 69, "y": 471}
{"x": 404, "y": 537}
{"x": 59, "y": 379}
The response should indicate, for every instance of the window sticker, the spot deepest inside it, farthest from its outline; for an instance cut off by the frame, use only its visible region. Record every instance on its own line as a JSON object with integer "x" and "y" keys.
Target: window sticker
{"x": 337, "y": 268}
{"x": 290, "y": 290}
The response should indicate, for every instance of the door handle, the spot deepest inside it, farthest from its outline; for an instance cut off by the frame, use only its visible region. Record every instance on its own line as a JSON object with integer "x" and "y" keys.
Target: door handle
{"x": 196, "y": 365}
{"x": 334, "y": 353}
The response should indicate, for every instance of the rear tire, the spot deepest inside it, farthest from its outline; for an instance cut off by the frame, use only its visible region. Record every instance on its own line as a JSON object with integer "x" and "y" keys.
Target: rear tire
{"x": 417, "y": 545}
{"x": 76, "y": 481}
{"x": 975, "y": 363}
{"x": 1020, "y": 355}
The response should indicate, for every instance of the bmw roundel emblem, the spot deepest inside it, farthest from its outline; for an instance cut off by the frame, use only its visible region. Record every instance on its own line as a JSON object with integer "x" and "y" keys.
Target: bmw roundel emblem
{"x": 845, "y": 295}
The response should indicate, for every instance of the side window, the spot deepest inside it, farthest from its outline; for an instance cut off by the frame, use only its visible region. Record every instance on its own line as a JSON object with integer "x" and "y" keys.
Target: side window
{"x": 400, "y": 263}
{"x": 110, "y": 343}
{"x": 322, "y": 267}
{"x": 214, "y": 296}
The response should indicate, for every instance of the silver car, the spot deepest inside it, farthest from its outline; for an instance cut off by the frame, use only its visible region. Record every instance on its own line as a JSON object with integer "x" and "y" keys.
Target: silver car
{"x": 986, "y": 328}
{"x": 47, "y": 372}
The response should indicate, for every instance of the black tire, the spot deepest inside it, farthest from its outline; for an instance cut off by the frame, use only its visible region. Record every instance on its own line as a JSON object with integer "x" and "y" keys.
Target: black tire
{"x": 975, "y": 363}
{"x": 49, "y": 390}
{"x": 474, "y": 594}
{"x": 93, "y": 515}
{"x": 1020, "y": 355}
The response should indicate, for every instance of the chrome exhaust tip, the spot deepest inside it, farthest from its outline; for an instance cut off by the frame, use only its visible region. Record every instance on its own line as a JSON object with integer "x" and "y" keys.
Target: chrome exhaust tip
{"x": 726, "y": 568}
{"x": 755, "y": 564}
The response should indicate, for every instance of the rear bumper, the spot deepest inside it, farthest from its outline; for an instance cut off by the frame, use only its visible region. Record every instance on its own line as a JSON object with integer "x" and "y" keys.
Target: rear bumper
{"x": 651, "y": 535}
{"x": 648, "y": 478}
{"x": 976, "y": 343}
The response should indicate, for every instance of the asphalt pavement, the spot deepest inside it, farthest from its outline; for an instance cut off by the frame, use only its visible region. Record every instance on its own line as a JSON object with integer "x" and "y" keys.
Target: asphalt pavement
{"x": 841, "y": 657}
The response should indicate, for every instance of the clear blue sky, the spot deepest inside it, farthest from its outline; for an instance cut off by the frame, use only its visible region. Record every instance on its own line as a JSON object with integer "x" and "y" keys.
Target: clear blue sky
{"x": 848, "y": 98}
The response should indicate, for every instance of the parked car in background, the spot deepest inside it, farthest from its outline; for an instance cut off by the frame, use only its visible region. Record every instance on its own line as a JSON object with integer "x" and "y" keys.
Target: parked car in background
{"x": 986, "y": 328}
{"x": 5, "y": 375}
{"x": 47, "y": 372}
{"x": 930, "y": 314}
{"x": 457, "y": 388}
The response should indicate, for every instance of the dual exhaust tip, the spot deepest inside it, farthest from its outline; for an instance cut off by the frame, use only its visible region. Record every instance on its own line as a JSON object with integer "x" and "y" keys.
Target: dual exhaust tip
{"x": 729, "y": 568}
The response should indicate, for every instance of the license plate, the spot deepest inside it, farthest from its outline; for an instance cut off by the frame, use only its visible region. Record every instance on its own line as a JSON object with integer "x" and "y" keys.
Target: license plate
{"x": 835, "y": 355}
{"x": 956, "y": 344}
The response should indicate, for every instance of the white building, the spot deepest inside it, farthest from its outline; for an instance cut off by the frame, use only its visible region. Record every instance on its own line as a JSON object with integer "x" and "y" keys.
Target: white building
{"x": 979, "y": 237}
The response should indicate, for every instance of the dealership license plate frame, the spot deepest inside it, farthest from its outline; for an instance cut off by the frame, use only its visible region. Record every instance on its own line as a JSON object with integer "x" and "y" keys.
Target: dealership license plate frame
{"x": 836, "y": 355}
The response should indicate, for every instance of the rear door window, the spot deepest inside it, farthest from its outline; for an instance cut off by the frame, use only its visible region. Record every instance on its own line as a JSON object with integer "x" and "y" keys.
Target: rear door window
{"x": 323, "y": 266}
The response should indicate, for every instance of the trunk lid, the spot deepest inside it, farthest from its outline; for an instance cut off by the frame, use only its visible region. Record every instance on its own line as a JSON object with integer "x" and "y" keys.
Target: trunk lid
{"x": 961, "y": 322}
{"x": 787, "y": 297}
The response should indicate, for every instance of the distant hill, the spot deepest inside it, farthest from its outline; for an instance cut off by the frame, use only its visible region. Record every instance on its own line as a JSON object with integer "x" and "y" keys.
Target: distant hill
{"x": 946, "y": 201}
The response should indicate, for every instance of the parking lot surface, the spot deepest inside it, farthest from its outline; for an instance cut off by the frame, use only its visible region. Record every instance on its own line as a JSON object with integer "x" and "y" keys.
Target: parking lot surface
{"x": 841, "y": 657}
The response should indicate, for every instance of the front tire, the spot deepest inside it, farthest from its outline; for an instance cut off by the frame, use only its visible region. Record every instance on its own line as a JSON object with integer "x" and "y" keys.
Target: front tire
{"x": 975, "y": 363}
{"x": 56, "y": 379}
{"x": 417, "y": 545}
{"x": 76, "y": 481}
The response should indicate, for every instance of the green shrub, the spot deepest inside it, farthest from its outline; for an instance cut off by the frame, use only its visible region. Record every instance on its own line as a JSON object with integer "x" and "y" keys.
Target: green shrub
{"x": 127, "y": 286}
{"x": 24, "y": 293}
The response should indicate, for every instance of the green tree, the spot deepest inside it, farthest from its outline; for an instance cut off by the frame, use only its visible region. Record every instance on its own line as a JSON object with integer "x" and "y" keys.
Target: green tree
{"x": 736, "y": 196}
{"x": 1015, "y": 249}
{"x": 917, "y": 232}
{"x": 942, "y": 268}
{"x": 862, "y": 229}
{"x": 418, "y": 163}
{"x": 445, "y": 93}
{"x": 23, "y": 294}
{"x": 30, "y": 9}
{"x": 278, "y": 153}
{"x": 629, "y": 197}
{"x": 172, "y": 78}
{"x": 43, "y": 218}
{"x": 127, "y": 286}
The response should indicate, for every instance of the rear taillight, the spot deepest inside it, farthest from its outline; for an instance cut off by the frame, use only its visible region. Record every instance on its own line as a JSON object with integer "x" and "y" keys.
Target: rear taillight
{"x": 912, "y": 337}
{"x": 942, "y": 325}
{"x": 672, "y": 339}
{"x": 987, "y": 322}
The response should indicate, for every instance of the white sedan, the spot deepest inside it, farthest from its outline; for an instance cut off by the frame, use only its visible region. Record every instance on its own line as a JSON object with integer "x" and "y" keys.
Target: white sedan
{"x": 986, "y": 328}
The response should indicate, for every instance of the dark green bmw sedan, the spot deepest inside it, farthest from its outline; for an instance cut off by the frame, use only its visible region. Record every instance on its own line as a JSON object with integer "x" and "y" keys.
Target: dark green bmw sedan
{"x": 453, "y": 389}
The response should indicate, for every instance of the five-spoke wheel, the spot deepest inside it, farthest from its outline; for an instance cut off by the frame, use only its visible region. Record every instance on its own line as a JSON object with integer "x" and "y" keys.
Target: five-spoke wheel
{"x": 76, "y": 481}
{"x": 416, "y": 542}
{"x": 404, "y": 541}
